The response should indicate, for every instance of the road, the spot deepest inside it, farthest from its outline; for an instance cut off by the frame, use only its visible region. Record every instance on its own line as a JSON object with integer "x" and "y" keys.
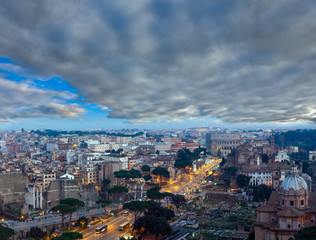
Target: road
{"x": 54, "y": 219}
{"x": 189, "y": 183}
{"x": 112, "y": 232}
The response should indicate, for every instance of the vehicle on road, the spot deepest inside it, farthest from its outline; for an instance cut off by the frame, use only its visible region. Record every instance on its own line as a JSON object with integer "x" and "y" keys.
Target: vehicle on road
{"x": 126, "y": 212}
{"x": 101, "y": 229}
{"x": 124, "y": 226}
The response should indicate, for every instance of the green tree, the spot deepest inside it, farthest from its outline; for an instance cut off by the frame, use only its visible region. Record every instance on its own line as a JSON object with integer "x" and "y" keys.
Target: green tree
{"x": 36, "y": 233}
{"x": 63, "y": 209}
{"x": 265, "y": 158}
{"x": 178, "y": 200}
{"x": 242, "y": 180}
{"x": 83, "y": 144}
{"x": 82, "y": 222}
{"x": 161, "y": 172}
{"x": 182, "y": 164}
{"x": 118, "y": 191}
{"x": 137, "y": 207}
{"x": 153, "y": 225}
{"x": 69, "y": 236}
{"x": 75, "y": 204}
{"x": 154, "y": 193}
{"x": 230, "y": 171}
{"x": 135, "y": 173}
{"x": 308, "y": 233}
{"x": 145, "y": 168}
{"x": 105, "y": 186}
{"x": 147, "y": 177}
{"x": 227, "y": 182}
{"x": 104, "y": 203}
{"x": 223, "y": 162}
{"x": 156, "y": 210}
{"x": 6, "y": 232}
{"x": 262, "y": 193}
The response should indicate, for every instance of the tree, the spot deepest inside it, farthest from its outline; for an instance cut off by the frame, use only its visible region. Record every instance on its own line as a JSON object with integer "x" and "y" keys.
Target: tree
{"x": 75, "y": 204}
{"x": 135, "y": 173}
{"x": 82, "y": 222}
{"x": 104, "y": 203}
{"x": 308, "y": 233}
{"x": 145, "y": 168}
{"x": 137, "y": 207}
{"x": 157, "y": 152}
{"x": 156, "y": 210}
{"x": 105, "y": 186}
{"x": 118, "y": 190}
{"x": 178, "y": 200}
{"x": 63, "y": 209}
{"x": 223, "y": 162}
{"x": 153, "y": 225}
{"x": 161, "y": 172}
{"x": 36, "y": 233}
{"x": 154, "y": 193}
{"x": 182, "y": 164}
{"x": 6, "y": 232}
{"x": 147, "y": 177}
{"x": 262, "y": 192}
{"x": 265, "y": 158}
{"x": 83, "y": 144}
{"x": 230, "y": 171}
{"x": 69, "y": 236}
{"x": 242, "y": 180}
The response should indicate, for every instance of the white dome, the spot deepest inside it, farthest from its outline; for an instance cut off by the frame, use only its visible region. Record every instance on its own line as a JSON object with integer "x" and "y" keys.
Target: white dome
{"x": 295, "y": 182}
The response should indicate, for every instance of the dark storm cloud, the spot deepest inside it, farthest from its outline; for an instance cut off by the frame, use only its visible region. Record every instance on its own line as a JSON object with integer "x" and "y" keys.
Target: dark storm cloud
{"x": 240, "y": 61}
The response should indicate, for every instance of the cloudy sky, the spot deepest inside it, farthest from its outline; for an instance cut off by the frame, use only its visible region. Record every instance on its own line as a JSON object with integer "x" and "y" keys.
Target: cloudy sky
{"x": 81, "y": 64}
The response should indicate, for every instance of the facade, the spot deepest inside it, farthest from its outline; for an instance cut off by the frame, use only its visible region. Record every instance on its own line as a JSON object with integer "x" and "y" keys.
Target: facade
{"x": 282, "y": 157}
{"x": 48, "y": 178}
{"x": 90, "y": 175}
{"x": 223, "y": 142}
{"x": 312, "y": 155}
{"x": 288, "y": 210}
{"x": 259, "y": 177}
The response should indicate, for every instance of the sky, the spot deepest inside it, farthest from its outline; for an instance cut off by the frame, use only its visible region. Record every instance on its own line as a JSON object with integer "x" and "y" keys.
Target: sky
{"x": 80, "y": 64}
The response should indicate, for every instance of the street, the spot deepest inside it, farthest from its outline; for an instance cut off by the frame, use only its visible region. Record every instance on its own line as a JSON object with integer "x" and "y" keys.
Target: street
{"x": 112, "y": 233}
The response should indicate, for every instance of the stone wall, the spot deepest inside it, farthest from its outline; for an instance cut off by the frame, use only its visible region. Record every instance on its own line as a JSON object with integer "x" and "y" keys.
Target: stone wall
{"x": 70, "y": 188}
{"x": 12, "y": 188}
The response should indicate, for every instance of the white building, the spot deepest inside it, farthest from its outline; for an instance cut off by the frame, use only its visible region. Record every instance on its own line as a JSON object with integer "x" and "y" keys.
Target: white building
{"x": 50, "y": 147}
{"x": 34, "y": 196}
{"x": 259, "y": 177}
{"x": 282, "y": 157}
{"x": 312, "y": 155}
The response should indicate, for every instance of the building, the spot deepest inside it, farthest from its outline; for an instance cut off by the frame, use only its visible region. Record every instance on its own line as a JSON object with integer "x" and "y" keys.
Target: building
{"x": 282, "y": 157}
{"x": 288, "y": 210}
{"x": 222, "y": 142}
{"x": 90, "y": 175}
{"x": 259, "y": 177}
{"x": 48, "y": 178}
{"x": 312, "y": 155}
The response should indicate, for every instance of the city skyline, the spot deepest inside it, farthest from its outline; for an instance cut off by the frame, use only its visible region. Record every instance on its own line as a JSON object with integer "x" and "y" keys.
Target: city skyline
{"x": 157, "y": 64}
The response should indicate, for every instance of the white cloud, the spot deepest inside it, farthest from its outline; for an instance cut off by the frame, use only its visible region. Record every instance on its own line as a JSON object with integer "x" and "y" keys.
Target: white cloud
{"x": 20, "y": 100}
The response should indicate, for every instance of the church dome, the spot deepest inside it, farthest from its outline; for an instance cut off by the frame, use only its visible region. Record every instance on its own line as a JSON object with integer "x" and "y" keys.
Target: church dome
{"x": 294, "y": 182}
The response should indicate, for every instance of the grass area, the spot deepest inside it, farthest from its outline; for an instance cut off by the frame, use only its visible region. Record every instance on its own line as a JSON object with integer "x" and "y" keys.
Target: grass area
{"x": 95, "y": 222}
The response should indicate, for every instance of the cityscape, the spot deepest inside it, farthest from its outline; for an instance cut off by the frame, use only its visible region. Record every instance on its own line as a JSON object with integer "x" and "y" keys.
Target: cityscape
{"x": 157, "y": 120}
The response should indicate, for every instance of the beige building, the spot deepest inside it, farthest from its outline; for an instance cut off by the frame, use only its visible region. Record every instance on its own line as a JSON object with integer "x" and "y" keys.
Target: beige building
{"x": 223, "y": 142}
{"x": 90, "y": 174}
{"x": 48, "y": 178}
{"x": 288, "y": 210}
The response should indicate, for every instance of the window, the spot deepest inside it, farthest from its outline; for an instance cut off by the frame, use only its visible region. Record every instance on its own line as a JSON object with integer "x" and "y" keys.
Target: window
{"x": 291, "y": 203}
{"x": 282, "y": 202}
{"x": 302, "y": 202}
{"x": 288, "y": 226}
